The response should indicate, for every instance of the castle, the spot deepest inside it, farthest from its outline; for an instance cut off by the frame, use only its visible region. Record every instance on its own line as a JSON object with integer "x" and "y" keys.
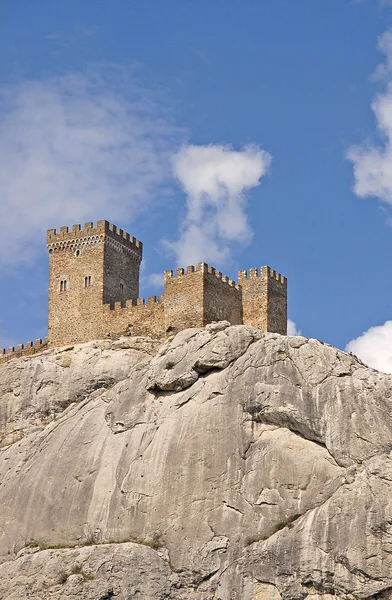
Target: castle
{"x": 94, "y": 289}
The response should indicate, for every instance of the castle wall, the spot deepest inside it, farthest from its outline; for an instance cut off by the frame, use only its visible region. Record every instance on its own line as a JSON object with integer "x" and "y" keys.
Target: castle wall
{"x": 121, "y": 280}
{"x": 277, "y": 302}
{"x": 121, "y": 267}
{"x": 184, "y": 298}
{"x": 264, "y": 299}
{"x": 94, "y": 288}
{"x": 134, "y": 318}
{"x": 222, "y": 298}
{"x": 199, "y": 296}
{"x": 254, "y": 298}
{"x": 23, "y": 350}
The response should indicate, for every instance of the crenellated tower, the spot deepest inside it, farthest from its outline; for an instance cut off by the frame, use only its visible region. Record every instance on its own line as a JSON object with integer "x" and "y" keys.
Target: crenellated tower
{"x": 200, "y": 295}
{"x": 88, "y": 268}
{"x": 264, "y": 299}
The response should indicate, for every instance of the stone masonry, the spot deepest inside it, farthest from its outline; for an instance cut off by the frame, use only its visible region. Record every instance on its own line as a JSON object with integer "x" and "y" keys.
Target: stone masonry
{"x": 96, "y": 266}
{"x": 94, "y": 289}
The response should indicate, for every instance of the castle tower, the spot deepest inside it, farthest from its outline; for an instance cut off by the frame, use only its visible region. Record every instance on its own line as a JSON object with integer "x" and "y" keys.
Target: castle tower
{"x": 88, "y": 268}
{"x": 199, "y": 296}
{"x": 264, "y": 299}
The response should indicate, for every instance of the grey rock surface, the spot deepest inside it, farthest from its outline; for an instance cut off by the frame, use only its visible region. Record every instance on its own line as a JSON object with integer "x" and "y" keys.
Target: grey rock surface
{"x": 223, "y": 464}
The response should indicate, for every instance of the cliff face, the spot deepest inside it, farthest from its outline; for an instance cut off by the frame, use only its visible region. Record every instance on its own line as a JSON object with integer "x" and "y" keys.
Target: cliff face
{"x": 224, "y": 464}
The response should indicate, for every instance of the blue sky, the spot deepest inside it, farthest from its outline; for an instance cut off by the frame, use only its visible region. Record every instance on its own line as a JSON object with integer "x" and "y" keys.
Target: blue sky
{"x": 132, "y": 111}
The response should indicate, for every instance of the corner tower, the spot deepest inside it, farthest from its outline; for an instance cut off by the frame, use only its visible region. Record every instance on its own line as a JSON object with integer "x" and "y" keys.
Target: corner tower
{"x": 199, "y": 296}
{"x": 264, "y": 299}
{"x": 88, "y": 267}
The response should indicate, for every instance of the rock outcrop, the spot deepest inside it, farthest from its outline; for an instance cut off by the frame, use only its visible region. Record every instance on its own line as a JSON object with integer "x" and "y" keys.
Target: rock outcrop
{"x": 222, "y": 464}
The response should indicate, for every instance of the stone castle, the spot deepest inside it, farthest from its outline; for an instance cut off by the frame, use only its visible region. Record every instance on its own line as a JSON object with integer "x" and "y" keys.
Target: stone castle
{"x": 94, "y": 289}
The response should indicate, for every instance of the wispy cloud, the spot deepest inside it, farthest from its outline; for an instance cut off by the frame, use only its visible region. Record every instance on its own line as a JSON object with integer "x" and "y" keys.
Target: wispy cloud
{"x": 215, "y": 180}
{"x": 74, "y": 148}
{"x": 54, "y": 35}
{"x": 75, "y": 35}
{"x": 292, "y": 328}
{"x": 374, "y": 347}
{"x": 91, "y": 31}
{"x": 155, "y": 280}
{"x": 373, "y": 162}
{"x": 203, "y": 56}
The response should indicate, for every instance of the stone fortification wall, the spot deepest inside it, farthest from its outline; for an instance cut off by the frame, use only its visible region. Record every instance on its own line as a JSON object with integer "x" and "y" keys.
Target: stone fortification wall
{"x": 193, "y": 298}
{"x": 222, "y": 298}
{"x": 135, "y": 318}
{"x": 131, "y": 317}
{"x": 121, "y": 273}
{"x": 27, "y": 349}
{"x": 277, "y": 302}
{"x": 94, "y": 289}
{"x": 199, "y": 296}
{"x": 264, "y": 299}
{"x": 183, "y": 297}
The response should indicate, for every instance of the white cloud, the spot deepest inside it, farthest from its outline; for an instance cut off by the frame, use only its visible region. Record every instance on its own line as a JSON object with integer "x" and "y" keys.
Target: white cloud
{"x": 373, "y": 163}
{"x": 74, "y": 148}
{"x": 292, "y": 328}
{"x": 215, "y": 179}
{"x": 374, "y": 347}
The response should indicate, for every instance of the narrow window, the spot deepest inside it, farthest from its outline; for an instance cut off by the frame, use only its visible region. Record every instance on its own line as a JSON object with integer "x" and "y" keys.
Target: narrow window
{"x": 63, "y": 285}
{"x": 77, "y": 253}
{"x": 87, "y": 281}
{"x": 122, "y": 289}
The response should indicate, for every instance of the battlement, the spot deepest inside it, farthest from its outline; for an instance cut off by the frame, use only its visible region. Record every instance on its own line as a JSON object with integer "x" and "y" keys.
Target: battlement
{"x": 201, "y": 267}
{"x": 22, "y": 350}
{"x": 94, "y": 292}
{"x": 136, "y": 317}
{"x": 132, "y": 303}
{"x": 65, "y": 237}
{"x": 263, "y": 272}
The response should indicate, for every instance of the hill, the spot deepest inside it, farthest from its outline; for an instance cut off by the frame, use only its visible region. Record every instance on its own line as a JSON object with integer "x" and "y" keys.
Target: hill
{"x": 224, "y": 463}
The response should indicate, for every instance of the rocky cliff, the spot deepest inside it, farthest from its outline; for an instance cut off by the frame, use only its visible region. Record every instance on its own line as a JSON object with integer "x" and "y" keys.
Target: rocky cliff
{"x": 222, "y": 464}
